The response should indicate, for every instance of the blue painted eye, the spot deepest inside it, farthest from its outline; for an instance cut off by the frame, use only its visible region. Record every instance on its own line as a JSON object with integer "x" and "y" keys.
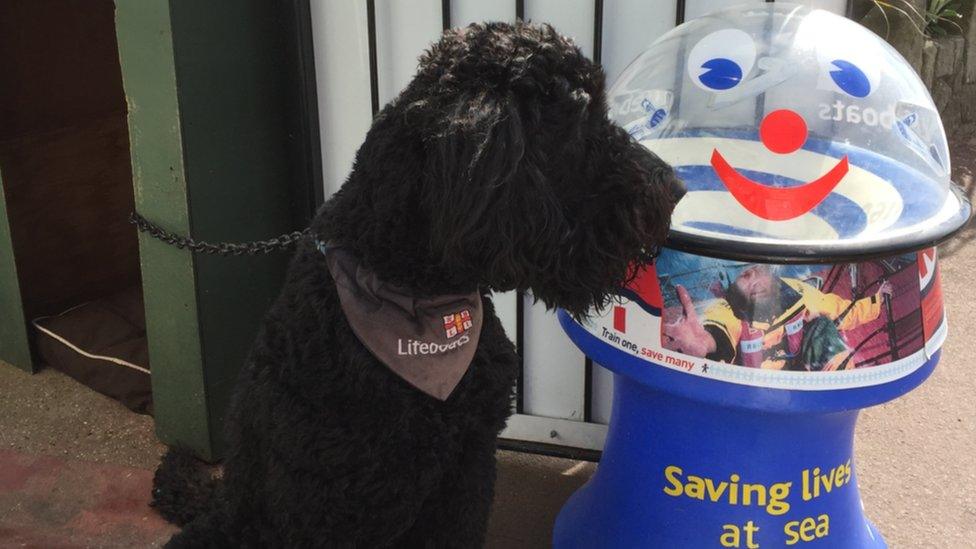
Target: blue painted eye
{"x": 720, "y": 74}
{"x": 721, "y": 60}
{"x": 850, "y": 78}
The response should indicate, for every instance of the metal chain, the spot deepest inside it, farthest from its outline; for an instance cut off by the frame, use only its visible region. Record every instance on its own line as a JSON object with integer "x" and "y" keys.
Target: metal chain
{"x": 282, "y": 242}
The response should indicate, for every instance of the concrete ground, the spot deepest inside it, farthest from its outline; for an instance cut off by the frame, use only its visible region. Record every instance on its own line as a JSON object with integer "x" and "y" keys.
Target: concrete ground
{"x": 75, "y": 467}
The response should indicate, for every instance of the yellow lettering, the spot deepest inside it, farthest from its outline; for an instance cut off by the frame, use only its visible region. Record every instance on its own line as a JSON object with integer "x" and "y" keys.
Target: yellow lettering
{"x": 714, "y": 493}
{"x": 749, "y": 489}
{"x": 734, "y": 489}
{"x": 828, "y": 481}
{"x": 771, "y": 497}
{"x": 695, "y": 488}
{"x": 751, "y": 530}
{"x": 730, "y": 536}
{"x": 823, "y": 526}
{"x": 841, "y": 477}
{"x": 671, "y": 473}
{"x": 806, "y": 528}
{"x": 777, "y": 498}
{"x": 790, "y": 530}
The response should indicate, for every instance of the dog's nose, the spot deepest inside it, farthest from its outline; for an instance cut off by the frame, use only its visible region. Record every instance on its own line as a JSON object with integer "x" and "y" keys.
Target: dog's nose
{"x": 678, "y": 189}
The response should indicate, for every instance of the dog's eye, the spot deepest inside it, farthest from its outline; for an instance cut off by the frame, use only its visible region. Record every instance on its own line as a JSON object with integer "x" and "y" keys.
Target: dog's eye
{"x": 721, "y": 60}
{"x": 849, "y": 78}
{"x": 647, "y": 256}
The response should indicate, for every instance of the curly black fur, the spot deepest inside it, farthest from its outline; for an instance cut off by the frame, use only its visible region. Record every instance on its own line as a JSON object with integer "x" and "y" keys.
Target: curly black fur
{"x": 496, "y": 169}
{"x": 183, "y": 488}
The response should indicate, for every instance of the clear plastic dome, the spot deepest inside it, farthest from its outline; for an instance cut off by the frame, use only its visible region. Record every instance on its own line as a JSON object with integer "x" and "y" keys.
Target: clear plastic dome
{"x": 799, "y": 134}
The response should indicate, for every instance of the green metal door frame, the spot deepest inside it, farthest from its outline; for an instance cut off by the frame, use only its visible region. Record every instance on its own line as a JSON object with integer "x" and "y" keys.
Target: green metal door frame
{"x": 14, "y": 347}
{"x": 222, "y": 150}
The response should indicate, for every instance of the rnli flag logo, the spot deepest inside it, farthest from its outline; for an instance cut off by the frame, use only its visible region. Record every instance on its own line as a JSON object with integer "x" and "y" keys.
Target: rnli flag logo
{"x": 457, "y": 323}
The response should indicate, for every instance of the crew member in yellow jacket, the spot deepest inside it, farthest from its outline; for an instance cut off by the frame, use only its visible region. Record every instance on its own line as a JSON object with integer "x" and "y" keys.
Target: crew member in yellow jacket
{"x": 772, "y": 322}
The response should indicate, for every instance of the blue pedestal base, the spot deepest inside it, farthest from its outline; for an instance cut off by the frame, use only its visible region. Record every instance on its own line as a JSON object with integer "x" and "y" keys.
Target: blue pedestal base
{"x": 683, "y": 473}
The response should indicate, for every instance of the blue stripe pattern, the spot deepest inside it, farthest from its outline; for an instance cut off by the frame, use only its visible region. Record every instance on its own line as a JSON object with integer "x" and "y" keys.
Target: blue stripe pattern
{"x": 840, "y": 212}
{"x": 922, "y": 197}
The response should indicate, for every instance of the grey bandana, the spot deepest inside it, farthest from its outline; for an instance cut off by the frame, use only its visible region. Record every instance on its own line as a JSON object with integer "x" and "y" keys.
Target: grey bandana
{"x": 427, "y": 341}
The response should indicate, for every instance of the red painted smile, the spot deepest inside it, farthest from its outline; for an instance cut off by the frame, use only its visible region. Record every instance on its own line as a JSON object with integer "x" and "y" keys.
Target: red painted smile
{"x": 782, "y": 132}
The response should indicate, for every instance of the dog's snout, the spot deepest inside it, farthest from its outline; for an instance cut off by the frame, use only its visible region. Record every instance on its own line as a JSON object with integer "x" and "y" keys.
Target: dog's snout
{"x": 678, "y": 189}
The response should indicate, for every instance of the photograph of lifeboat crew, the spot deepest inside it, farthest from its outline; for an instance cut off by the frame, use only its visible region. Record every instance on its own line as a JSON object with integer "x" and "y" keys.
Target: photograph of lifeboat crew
{"x": 796, "y": 317}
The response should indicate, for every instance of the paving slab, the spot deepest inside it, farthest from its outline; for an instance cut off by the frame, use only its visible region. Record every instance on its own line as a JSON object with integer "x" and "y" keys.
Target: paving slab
{"x": 51, "y": 502}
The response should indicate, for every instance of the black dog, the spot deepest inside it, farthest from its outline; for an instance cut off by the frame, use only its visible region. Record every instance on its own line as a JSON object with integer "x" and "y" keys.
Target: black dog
{"x": 496, "y": 169}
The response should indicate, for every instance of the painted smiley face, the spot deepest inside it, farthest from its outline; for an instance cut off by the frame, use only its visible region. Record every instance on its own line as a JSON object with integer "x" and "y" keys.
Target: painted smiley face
{"x": 795, "y": 130}
{"x": 721, "y": 64}
{"x": 782, "y": 132}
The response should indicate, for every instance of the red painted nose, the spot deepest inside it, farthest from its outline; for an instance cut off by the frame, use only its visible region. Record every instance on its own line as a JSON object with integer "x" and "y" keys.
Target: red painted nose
{"x": 783, "y": 131}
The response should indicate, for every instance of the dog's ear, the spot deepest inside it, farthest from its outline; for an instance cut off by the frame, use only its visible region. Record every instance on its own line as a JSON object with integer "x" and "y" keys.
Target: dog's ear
{"x": 472, "y": 161}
